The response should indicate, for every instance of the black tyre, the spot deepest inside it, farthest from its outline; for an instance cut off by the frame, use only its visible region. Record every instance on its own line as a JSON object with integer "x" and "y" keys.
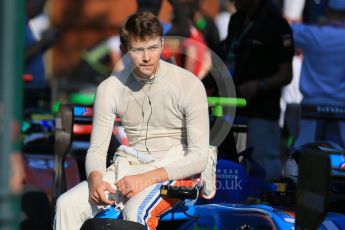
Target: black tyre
{"x": 110, "y": 224}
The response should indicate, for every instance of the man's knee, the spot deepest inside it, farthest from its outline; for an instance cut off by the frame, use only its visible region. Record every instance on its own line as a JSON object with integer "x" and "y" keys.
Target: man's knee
{"x": 150, "y": 221}
{"x": 131, "y": 215}
{"x": 62, "y": 202}
{"x": 76, "y": 198}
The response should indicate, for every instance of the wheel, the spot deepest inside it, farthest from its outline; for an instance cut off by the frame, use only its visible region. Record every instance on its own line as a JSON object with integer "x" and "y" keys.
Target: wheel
{"x": 110, "y": 224}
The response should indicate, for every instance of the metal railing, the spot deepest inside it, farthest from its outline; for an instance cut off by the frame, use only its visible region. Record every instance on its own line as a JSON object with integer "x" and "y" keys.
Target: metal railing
{"x": 11, "y": 70}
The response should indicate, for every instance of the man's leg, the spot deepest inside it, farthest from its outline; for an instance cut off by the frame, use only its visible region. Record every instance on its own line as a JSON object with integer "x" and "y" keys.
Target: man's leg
{"x": 312, "y": 130}
{"x": 342, "y": 132}
{"x": 307, "y": 132}
{"x": 73, "y": 207}
{"x": 147, "y": 206}
{"x": 264, "y": 137}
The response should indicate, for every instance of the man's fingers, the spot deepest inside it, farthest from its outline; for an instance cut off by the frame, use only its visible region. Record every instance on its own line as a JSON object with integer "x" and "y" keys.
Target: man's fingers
{"x": 103, "y": 199}
{"x": 126, "y": 192}
{"x": 120, "y": 186}
{"x": 100, "y": 193}
{"x": 130, "y": 195}
{"x": 95, "y": 198}
{"x": 110, "y": 189}
{"x": 95, "y": 195}
{"x": 95, "y": 201}
{"x": 120, "y": 183}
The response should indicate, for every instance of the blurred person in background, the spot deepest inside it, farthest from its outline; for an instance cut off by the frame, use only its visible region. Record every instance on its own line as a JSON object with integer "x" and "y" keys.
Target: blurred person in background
{"x": 189, "y": 52}
{"x": 314, "y": 10}
{"x": 293, "y": 10}
{"x": 17, "y": 173}
{"x": 259, "y": 51}
{"x": 322, "y": 80}
{"x": 202, "y": 22}
{"x": 36, "y": 46}
{"x": 34, "y": 67}
{"x": 227, "y": 8}
{"x": 179, "y": 18}
{"x": 291, "y": 95}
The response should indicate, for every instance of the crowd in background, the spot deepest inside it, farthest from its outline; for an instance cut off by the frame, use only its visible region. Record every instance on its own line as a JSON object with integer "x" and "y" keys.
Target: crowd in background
{"x": 293, "y": 69}
{"x": 282, "y": 55}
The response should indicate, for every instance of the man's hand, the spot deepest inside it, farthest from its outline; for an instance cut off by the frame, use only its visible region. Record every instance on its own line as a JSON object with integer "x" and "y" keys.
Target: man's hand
{"x": 131, "y": 185}
{"x": 249, "y": 89}
{"x": 97, "y": 189}
{"x": 17, "y": 172}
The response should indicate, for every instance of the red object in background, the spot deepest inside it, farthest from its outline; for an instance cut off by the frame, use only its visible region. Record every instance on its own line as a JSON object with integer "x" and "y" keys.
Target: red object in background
{"x": 85, "y": 129}
{"x": 27, "y": 77}
{"x": 88, "y": 111}
{"x": 197, "y": 41}
{"x": 39, "y": 172}
{"x": 120, "y": 135}
{"x": 82, "y": 129}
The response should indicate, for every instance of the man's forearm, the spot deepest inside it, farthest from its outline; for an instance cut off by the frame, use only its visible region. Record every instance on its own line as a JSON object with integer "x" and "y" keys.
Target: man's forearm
{"x": 155, "y": 176}
{"x": 94, "y": 176}
{"x": 281, "y": 78}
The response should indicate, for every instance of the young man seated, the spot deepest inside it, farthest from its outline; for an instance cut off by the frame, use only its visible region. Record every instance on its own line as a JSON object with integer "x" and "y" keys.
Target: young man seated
{"x": 164, "y": 111}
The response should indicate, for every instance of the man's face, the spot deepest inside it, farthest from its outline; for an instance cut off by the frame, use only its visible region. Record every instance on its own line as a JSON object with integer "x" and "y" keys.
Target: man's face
{"x": 145, "y": 55}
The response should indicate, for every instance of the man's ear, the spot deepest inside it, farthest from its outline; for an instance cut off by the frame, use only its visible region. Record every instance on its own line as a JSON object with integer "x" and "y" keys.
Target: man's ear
{"x": 162, "y": 42}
